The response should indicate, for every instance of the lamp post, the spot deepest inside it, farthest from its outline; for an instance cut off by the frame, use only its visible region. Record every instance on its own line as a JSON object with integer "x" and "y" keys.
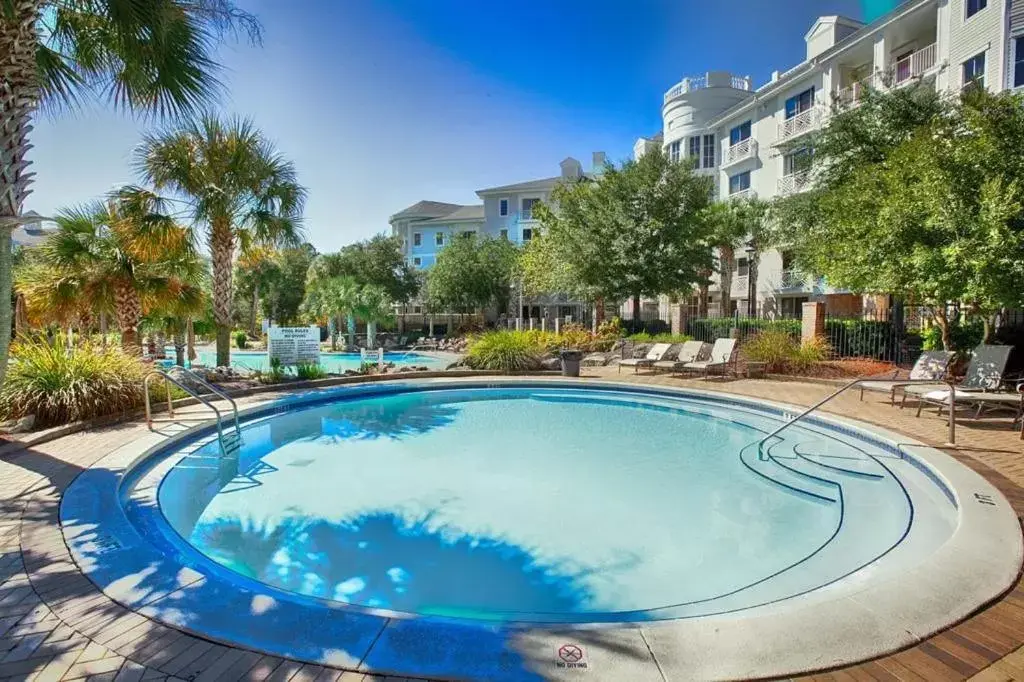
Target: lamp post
{"x": 751, "y": 280}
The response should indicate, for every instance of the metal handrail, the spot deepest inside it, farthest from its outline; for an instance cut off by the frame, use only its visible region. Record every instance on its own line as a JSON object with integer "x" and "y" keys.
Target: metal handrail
{"x": 203, "y": 382}
{"x": 952, "y": 404}
{"x": 167, "y": 377}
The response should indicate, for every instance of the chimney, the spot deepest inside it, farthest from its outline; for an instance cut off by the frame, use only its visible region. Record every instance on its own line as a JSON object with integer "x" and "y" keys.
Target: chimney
{"x": 599, "y": 159}
{"x": 571, "y": 169}
{"x": 775, "y": 76}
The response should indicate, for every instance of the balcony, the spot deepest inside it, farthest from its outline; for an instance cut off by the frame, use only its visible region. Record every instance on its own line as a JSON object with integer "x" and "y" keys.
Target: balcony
{"x": 794, "y": 280}
{"x": 794, "y": 182}
{"x": 916, "y": 65}
{"x": 851, "y": 96}
{"x": 742, "y": 194}
{"x": 802, "y": 123}
{"x": 716, "y": 79}
{"x": 741, "y": 151}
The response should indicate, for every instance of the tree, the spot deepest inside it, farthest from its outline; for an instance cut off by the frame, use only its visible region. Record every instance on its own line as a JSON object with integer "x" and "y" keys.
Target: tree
{"x": 155, "y": 56}
{"x": 379, "y": 261}
{"x": 732, "y": 223}
{"x": 935, "y": 219}
{"x": 236, "y": 185}
{"x": 374, "y": 307}
{"x": 273, "y": 282}
{"x": 125, "y": 255}
{"x": 330, "y": 299}
{"x": 471, "y": 273}
{"x": 637, "y": 231}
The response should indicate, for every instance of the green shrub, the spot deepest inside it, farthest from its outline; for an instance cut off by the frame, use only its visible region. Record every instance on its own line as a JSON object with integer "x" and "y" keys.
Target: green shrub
{"x": 507, "y": 351}
{"x": 807, "y": 354}
{"x": 309, "y": 371}
{"x": 60, "y": 385}
{"x": 665, "y": 337}
{"x": 773, "y": 347}
{"x": 241, "y": 340}
{"x": 964, "y": 336}
{"x": 610, "y": 329}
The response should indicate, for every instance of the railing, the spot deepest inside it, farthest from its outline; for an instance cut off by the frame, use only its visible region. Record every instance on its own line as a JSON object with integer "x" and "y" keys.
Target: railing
{"x": 742, "y": 150}
{"x": 852, "y": 95}
{"x": 691, "y": 83}
{"x": 739, "y": 284}
{"x": 952, "y": 409}
{"x": 793, "y": 279}
{"x": 741, "y": 194}
{"x": 804, "y": 122}
{"x": 794, "y": 182}
{"x": 915, "y": 65}
{"x": 166, "y": 375}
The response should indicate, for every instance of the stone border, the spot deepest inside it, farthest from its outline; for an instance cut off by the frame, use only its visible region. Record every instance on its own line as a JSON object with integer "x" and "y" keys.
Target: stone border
{"x": 982, "y": 559}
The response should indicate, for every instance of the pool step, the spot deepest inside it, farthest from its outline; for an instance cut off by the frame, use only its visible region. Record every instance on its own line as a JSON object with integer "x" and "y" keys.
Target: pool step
{"x": 838, "y": 458}
{"x": 818, "y": 489}
{"x": 232, "y": 443}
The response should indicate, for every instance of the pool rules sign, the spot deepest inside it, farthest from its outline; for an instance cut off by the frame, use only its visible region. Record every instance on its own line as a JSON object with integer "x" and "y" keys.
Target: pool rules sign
{"x": 294, "y": 345}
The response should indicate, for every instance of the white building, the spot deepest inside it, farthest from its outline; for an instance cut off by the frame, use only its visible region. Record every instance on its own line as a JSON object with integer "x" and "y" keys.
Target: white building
{"x": 754, "y": 141}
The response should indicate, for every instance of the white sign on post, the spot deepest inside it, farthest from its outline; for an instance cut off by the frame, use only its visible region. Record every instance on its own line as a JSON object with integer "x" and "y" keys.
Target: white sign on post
{"x": 294, "y": 345}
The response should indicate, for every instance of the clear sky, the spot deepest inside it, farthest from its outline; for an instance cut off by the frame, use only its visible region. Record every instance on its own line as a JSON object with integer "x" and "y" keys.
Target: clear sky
{"x": 381, "y": 103}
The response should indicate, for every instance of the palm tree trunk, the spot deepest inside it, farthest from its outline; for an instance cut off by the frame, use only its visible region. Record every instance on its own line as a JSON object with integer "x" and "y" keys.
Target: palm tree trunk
{"x": 252, "y": 310}
{"x": 222, "y": 246}
{"x": 20, "y": 316}
{"x": 179, "y": 344}
{"x": 190, "y": 335}
{"x": 103, "y": 329}
{"x": 351, "y": 328}
{"x": 726, "y": 258}
{"x": 19, "y": 95}
{"x": 129, "y": 312}
{"x": 371, "y": 335}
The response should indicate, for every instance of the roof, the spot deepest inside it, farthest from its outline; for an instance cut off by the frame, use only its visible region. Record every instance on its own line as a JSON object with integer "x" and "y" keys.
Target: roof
{"x": 426, "y": 209}
{"x": 29, "y": 235}
{"x": 529, "y": 185}
{"x": 462, "y": 213}
{"x": 833, "y": 19}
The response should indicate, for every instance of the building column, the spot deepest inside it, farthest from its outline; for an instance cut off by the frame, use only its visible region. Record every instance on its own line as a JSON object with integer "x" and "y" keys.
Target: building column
{"x": 677, "y": 317}
{"x": 813, "y": 325}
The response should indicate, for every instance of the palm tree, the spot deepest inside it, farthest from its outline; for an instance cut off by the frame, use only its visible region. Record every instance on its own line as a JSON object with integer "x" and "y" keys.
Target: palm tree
{"x": 123, "y": 255}
{"x": 332, "y": 299}
{"x": 734, "y": 222}
{"x": 236, "y": 185}
{"x": 374, "y": 307}
{"x": 185, "y": 301}
{"x": 155, "y": 56}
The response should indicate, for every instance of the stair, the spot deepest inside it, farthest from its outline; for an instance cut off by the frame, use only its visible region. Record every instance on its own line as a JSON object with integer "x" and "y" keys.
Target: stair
{"x": 810, "y": 486}
{"x": 231, "y": 443}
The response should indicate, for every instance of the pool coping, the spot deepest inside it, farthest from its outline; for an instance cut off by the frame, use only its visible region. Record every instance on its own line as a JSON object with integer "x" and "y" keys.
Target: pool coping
{"x": 797, "y": 635}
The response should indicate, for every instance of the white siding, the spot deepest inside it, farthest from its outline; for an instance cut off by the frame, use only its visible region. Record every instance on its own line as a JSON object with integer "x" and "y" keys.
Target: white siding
{"x": 970, "y": 36}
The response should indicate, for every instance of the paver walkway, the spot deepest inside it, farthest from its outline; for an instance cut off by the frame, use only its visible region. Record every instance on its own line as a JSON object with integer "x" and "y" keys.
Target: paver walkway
{"x": 56, "y": 625}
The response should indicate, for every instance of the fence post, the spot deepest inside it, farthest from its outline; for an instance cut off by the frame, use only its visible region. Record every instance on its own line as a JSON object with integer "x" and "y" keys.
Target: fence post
{"x": 813, "y": 321}
{"x": 677, "y": 318}
{"x": 558, "y": 325}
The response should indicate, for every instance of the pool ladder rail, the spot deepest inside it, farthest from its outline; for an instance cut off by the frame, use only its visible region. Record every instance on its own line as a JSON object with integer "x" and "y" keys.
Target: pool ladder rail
{"x": 790, "y": 420}
{"x": 231, "y": 442}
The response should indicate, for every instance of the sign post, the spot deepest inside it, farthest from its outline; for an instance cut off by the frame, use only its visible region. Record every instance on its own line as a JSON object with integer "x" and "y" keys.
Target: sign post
{"x": 294, "y": 345}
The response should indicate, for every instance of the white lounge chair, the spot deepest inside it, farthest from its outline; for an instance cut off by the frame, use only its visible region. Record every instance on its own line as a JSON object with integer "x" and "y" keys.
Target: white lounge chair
{"x": 656, "y": 353}
{"x": 723, "y": 354}
{"x": 690, "y": 352}
{"x": 932, "y": 365}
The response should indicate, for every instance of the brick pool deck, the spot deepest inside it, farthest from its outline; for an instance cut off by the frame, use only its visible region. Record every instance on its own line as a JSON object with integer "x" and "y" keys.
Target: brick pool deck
{"x": 56, "y": 625}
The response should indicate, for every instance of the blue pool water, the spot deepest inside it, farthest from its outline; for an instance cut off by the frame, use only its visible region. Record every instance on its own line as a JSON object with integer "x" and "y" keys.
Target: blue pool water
{"x": 332, "y": 362}
{"x": 549, "y": 504}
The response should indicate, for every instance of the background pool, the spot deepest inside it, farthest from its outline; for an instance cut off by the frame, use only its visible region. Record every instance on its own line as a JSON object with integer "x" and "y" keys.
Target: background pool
{"x": 545, "y": 504}
{"x": 332, "y": 362}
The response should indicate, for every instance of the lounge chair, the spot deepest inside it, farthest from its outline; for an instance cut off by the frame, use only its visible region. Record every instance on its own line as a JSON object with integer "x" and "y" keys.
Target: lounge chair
{"x": 656, "y": 353}
{"x": 690, "y": 352}
{"x": 984, "y": 374}
{"x": 723, "y": 354}
{"x": 932, "y": 364}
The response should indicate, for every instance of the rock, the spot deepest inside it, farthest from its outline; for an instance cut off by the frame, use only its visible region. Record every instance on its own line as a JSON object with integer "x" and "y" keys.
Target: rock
{"x": 551, "y": 364}
{"x": 595, "y": 360}
{"x": 458, "y": 364}
{"x": 21, "y": 425}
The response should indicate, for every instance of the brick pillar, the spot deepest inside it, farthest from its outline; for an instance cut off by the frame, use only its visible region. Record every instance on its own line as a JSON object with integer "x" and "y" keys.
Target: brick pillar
{"x": 677, "y": 317}
{"x": 813, "y": 321}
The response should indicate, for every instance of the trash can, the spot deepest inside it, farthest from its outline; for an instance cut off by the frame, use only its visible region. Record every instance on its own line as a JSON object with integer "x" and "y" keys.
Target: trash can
{"x": 571, "y": 362}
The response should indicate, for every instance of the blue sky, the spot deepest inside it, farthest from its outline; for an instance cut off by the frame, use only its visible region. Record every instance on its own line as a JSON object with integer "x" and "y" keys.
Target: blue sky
{"x": 383, "y": 103}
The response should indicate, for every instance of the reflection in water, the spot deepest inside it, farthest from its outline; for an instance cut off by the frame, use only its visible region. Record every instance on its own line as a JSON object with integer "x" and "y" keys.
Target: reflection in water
{"x": 383, "y": 559}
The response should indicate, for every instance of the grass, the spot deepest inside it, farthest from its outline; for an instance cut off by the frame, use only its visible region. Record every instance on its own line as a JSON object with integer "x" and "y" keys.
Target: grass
{"x": 60, "y": 385}
{"x": 508, "y": 351}
{"x": 781, "y": 353}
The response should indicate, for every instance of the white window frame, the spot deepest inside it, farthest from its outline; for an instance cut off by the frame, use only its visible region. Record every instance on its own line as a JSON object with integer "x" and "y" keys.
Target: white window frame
{"x": 439, "y": 239}
{"x": 417, "y": 261}
{"x": 504, "y": 234}
{"x": 675, "y": 150}
{"x": 536, "y": 198}
{"x": 417, "y": 239}
{"x": 523, "y": 236}
{"x": 503, "y": 203}
{"x": 1019, "y": 36}
{"x": 968, "y": 17}
{"x": 963, "y": 70}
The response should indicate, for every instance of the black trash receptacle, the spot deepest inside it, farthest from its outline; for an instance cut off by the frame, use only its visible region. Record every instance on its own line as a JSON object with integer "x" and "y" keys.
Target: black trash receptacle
{"x": 571, "y": 362}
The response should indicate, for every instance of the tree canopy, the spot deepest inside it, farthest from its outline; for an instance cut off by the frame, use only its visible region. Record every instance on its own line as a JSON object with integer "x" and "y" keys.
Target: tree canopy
{"x": 639, "y": 230}
{"x": 471, "y": 272}
{"x": 378, "y": 261}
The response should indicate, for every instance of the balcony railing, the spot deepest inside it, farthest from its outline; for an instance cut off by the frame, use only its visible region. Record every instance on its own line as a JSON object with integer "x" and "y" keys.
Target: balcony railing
{"x": 852, "y": 95}
{"x": 915, "y": 65}
{"x": 739, "y": 285}
{"x": 741, "y": 151}
{"x": 794, "y": 279}
{"x": 717, "y": 79}
{"x": 804, "y": 122}
{"x": 794, "y": 182}
{"x": 741, "y": 194}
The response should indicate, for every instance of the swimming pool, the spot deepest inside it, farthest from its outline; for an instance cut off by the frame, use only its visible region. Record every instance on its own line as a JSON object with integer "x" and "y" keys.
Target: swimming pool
{"x": 331, "y": 362}
{"x": 384, "y": 521}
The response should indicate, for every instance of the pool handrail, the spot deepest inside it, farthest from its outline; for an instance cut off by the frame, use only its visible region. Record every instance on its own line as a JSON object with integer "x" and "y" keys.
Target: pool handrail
{"x": 210, "y": 387}
{"x": 952, "y": 409}
{"x": 170, "y": 407}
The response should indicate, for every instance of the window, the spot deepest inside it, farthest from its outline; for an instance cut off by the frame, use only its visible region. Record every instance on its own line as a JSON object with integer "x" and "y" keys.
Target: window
{"x": 504, "y": 234}
{"x": 417, "y": 239}
{"x": 797, "y": 162}
{"x": 528, "y": 204}
{"x": 709, "y": 151}
{"x": 739, "y": 182}
{"x": 694, "y": 151}
{"x": 797, "y": 104}
{"x": 974, "y": 70}
{"x": 673, "y": 150}
{"x": 468, "y": 233}
{"x": 417, "y": 262}
{"x": 742, "y": 267}
{"x": 416, "y": 310}
{"x": 739, "y": 133}
{"x": 527, "y": 234}
{"x": 503, "y": 207}
{"x": 1018, "y": 62}
{"x": 903, "y": 71}
{"x": 439, "y": 238}
{"x": 975, "y": 6}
